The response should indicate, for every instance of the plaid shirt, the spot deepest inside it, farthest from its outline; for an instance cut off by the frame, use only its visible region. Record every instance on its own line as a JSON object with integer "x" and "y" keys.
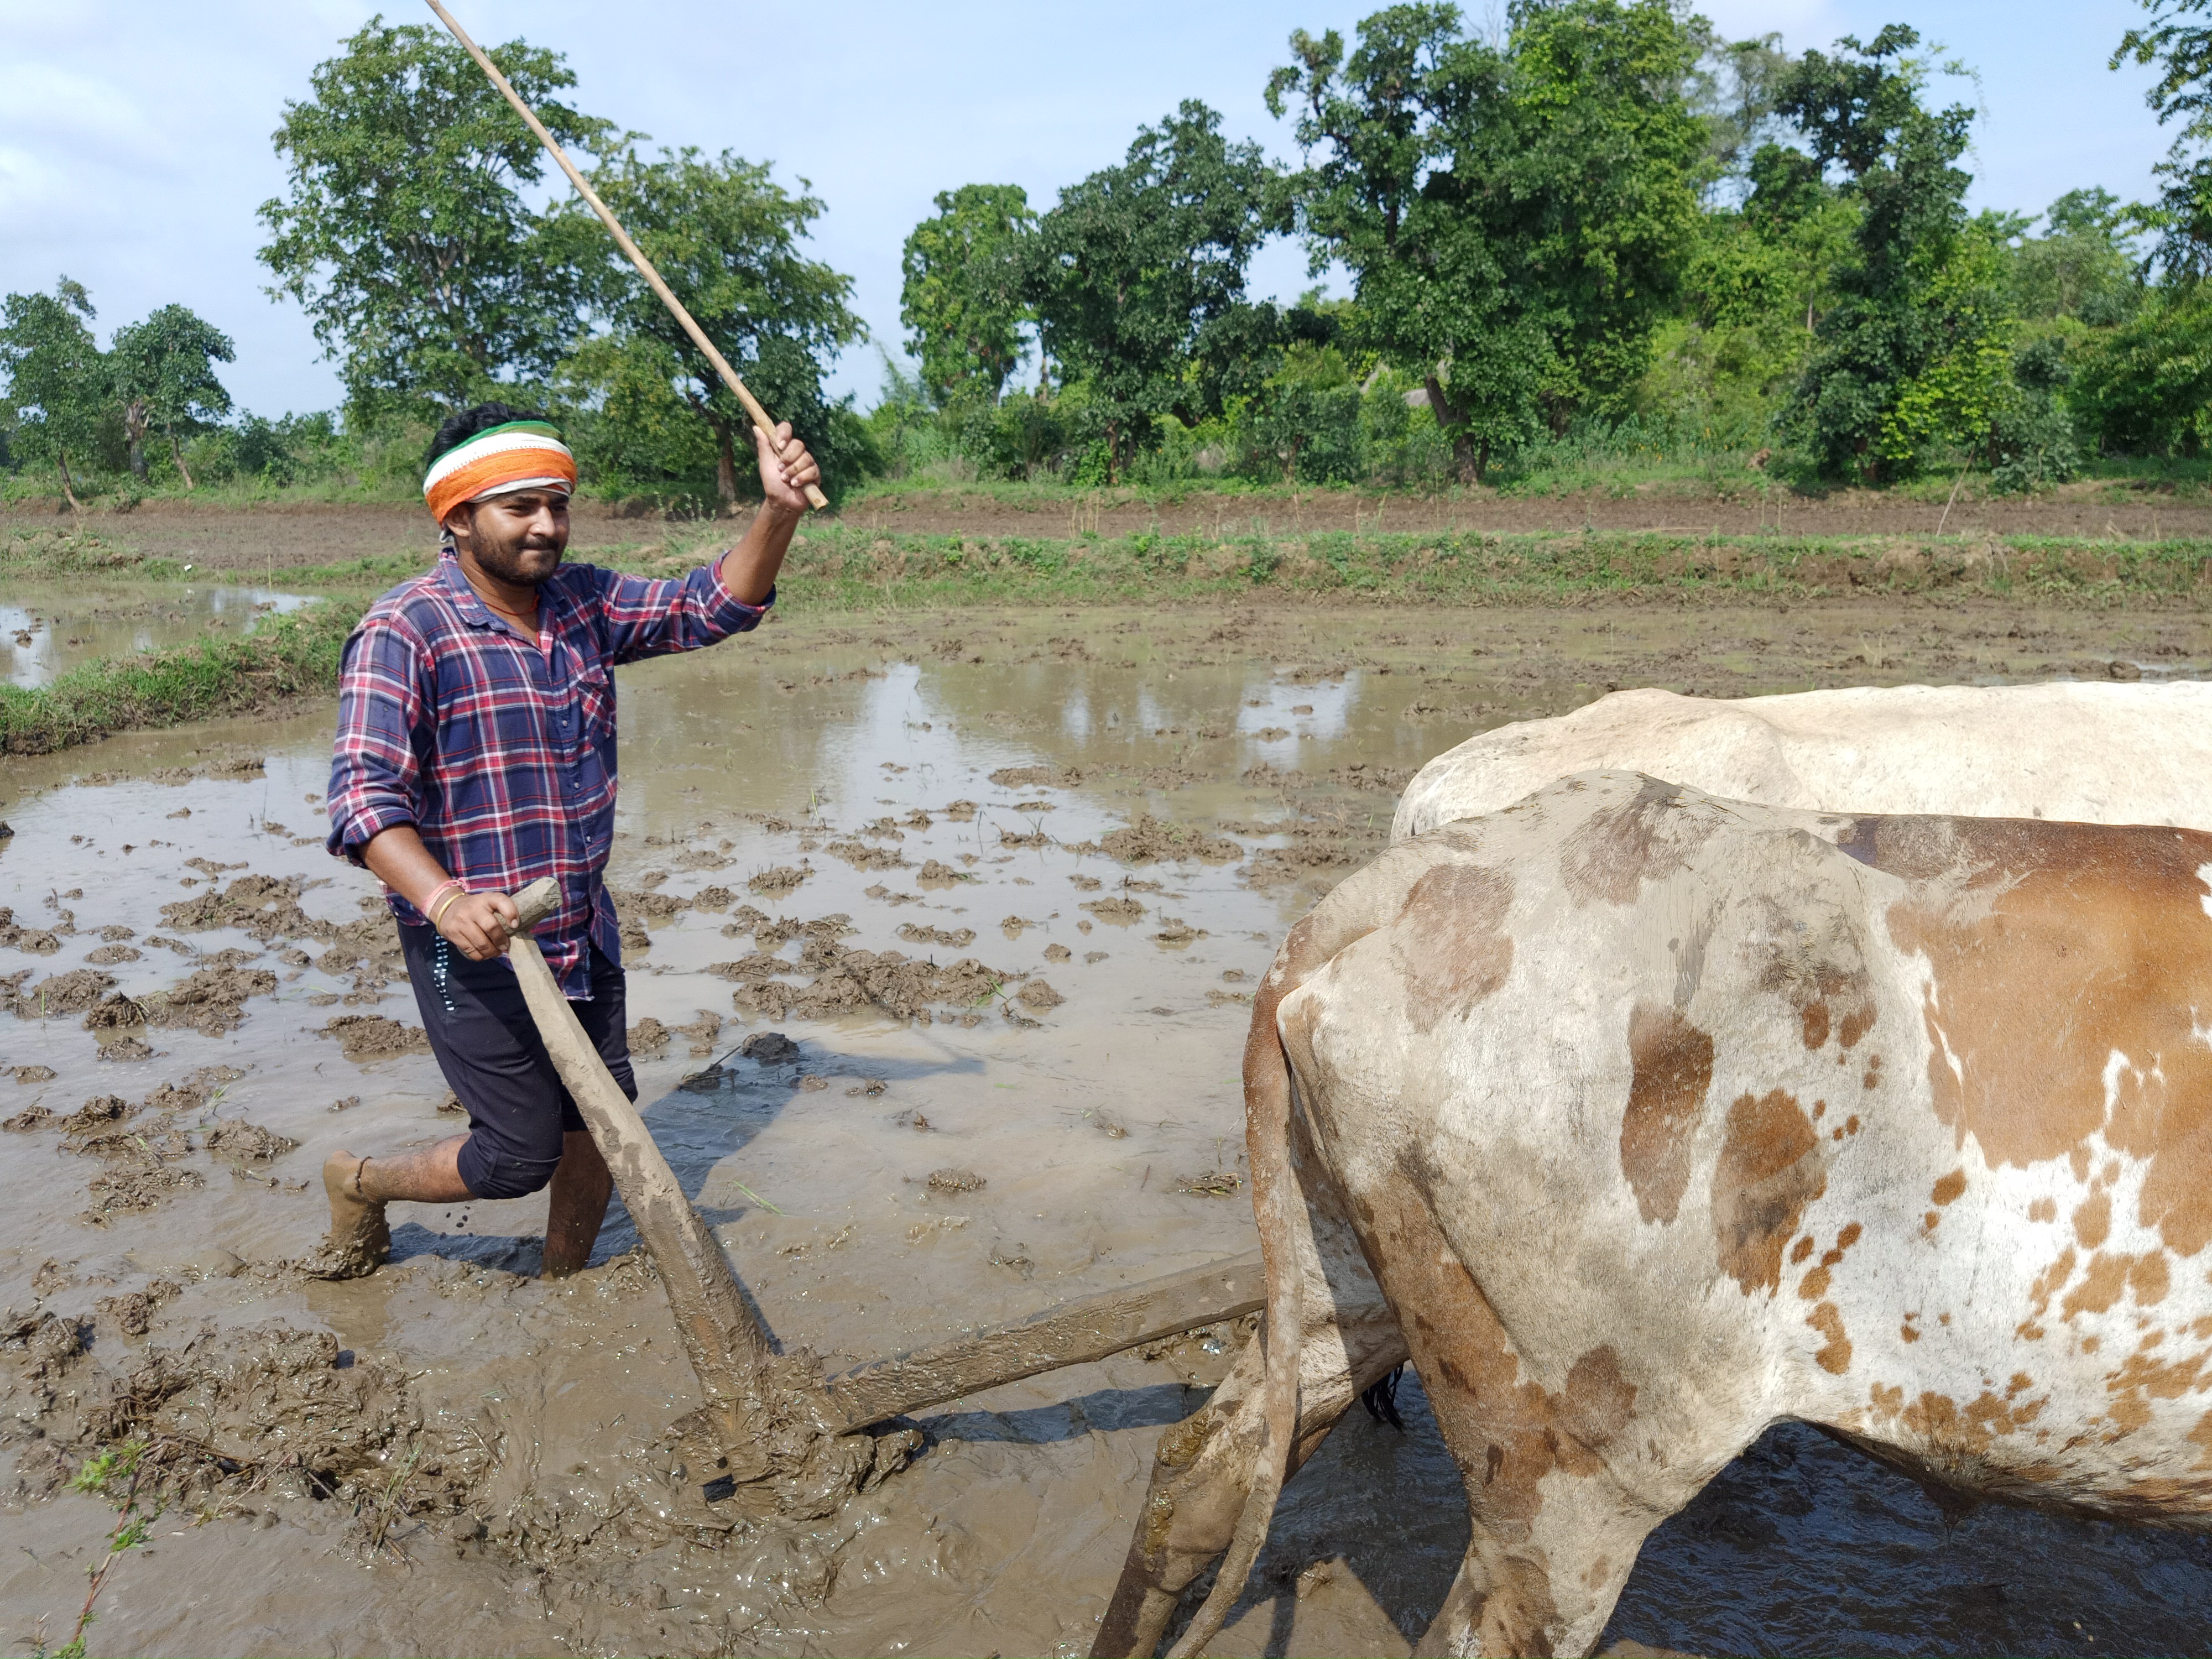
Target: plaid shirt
{"x": 500, "y": 750}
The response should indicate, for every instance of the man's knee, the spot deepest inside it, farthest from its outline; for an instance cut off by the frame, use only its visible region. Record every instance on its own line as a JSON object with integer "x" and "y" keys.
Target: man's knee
{"x": 489, "y": 1172}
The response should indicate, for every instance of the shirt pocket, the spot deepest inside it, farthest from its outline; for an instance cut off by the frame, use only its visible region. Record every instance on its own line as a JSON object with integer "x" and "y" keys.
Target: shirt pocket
{"x": 595, "y": 703}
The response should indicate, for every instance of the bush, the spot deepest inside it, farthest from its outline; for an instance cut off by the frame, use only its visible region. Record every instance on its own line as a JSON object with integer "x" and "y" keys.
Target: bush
{"x": 2145, "y": 388}
{"x": 2030, "y": 440}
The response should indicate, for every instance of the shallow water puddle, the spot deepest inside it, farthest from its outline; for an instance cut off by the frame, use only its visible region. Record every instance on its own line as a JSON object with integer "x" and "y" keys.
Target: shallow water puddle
{"x": 48, "y": 629}
{"x": 1111, "y": 818}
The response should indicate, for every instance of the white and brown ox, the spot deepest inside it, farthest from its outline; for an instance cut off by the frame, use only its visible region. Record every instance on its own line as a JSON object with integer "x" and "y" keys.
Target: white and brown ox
{"x": 1639, "y": 1119}
{"x": 2098, "y": 753}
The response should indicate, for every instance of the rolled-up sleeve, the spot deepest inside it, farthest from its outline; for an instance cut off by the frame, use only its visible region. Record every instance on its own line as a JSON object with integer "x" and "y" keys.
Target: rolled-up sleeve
{"x": 376, "y": 776}
{"x": 647, "y": 618}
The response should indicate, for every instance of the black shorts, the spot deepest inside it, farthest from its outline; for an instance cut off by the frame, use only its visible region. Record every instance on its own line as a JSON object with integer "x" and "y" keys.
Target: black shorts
{"x": 488, "y": 1048}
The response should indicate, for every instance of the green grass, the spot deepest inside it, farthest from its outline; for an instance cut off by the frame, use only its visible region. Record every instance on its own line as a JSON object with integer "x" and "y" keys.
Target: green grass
{"x": 836, "y": 568}
{"x": 283, "y": 657}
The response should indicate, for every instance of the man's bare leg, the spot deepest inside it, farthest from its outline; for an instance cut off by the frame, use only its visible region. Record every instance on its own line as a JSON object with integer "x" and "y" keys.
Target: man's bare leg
{"x": 359, "y": 1187}
{"x": 581, "y": 1186}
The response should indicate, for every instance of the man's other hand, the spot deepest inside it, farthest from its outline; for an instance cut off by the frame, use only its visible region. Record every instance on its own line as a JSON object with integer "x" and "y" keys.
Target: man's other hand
{"x": 480, "y": 924}
{"x": 786, "y": 470}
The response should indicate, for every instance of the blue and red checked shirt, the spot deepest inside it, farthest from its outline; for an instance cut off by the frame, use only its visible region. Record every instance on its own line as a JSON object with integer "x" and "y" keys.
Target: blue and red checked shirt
{"x": 498, "y": 748}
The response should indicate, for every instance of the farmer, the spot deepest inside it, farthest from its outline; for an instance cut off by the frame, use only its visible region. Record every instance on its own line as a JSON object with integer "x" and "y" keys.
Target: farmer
{"x": 475, "y": 753}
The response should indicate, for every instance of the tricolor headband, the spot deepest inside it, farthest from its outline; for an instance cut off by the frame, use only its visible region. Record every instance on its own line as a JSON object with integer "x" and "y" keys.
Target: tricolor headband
{"x": 518, "y": 455}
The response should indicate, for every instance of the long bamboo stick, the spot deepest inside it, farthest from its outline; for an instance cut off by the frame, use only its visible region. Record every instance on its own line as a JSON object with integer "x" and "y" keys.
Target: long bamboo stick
{"x": 721, "y": 1336}
{"x": 752, "y": 404}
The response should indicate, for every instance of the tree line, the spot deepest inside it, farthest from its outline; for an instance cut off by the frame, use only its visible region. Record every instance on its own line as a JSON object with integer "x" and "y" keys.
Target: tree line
{"x": 1601, "y": 219}
{"x": 1608, "y": 218}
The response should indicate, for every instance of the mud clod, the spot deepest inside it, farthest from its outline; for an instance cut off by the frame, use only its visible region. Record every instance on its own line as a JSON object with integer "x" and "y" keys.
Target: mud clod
{"x": 956, "y": 1181}
{"x": 73, "y": 993}
{"x": 1152, "y": 840}
{"x": 769, "y": 1048}
{"x": 1120, "y": 911}
{"x": 248, "y": 1141}
{"x": 372, "y": 1036}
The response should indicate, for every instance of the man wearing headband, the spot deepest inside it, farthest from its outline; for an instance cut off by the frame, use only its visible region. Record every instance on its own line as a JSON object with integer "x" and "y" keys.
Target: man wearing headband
{"x": 476, "y": 752}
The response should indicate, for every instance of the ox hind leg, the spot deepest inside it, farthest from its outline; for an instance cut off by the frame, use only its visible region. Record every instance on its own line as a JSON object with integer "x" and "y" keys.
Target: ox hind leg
{"x": 1202, "y": 1471}
{"x": 1559, "y": 1494}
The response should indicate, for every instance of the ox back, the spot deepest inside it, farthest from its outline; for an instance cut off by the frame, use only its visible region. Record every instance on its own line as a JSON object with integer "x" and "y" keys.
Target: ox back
{"x": 1655, "y": 1117}
{"x": 2095, "y": 753}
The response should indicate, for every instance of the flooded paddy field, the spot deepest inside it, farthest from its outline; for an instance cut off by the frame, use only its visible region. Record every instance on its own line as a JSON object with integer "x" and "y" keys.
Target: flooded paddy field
{"x": 1003, "y": 883}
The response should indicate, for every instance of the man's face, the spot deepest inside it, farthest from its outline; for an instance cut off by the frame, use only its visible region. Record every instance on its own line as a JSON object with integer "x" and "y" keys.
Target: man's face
{"x": 519, "y": 539}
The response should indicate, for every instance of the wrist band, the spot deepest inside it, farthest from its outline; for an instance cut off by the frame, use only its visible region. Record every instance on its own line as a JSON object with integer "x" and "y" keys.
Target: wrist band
{"x": 440, "y": 907}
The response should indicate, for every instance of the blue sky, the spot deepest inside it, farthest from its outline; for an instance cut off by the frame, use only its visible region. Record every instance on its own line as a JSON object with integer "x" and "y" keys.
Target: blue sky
{"x": 134, "y": 137}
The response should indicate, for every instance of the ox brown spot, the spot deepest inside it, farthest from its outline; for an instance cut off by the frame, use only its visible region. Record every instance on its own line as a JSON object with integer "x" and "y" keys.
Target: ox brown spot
{"x": 2047, "y": 1281}
{"x": 1948, "y": 1188}
{"x": 1766, "y": 1174}
{"x": 1614, "y": 852}
{"x": 2148, "y": 1279}
{"x": 1814, "y": 1285}
{"x": 2200, "y": 1438}
{"x": 2093, "y": 1221}
{"x": 2043, "y": 1209}
{"x": 1834, "y": 1357}
{"x": 1801, "y": 1249}
{"x": 1906, "y": 1332}
{"x": 2102, "y": 1285}
{"x": 2055, "y": 947}
{"x": 1449, "y": 941}
{"x": 1671, "y": 1067}
{"x": 2142, "y": 1373}
{"x": 1592, "y": 1410}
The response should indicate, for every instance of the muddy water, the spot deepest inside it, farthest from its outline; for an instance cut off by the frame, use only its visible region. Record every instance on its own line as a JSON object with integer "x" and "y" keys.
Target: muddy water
{"x": 47, "y": 630}
{"x": 502, "y": 1482}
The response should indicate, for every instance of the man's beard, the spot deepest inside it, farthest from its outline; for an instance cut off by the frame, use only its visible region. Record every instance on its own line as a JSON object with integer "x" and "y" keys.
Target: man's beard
{"x": 529, "y": 562}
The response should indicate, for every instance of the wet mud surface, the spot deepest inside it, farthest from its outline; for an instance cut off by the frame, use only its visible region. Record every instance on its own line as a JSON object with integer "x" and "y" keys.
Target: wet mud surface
{"x": 941, "y": 931}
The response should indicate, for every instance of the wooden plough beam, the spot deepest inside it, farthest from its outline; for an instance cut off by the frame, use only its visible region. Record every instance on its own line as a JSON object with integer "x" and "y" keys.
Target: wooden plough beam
{"x": 748, "y": 1387}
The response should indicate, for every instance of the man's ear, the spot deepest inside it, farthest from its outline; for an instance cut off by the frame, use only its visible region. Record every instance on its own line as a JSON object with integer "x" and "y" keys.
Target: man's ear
{"x": 460, "y": 523}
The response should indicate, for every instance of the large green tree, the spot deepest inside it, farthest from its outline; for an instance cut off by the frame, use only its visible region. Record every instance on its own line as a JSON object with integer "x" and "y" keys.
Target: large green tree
{"x": 1916, "y": 353}
{"x": 164, "y": 372}
{"x": 2178, "y": 42}
{"x": 1137, "y": 279}
{"x": 962, "y": 299}
{"x": 2081, "y": 267}
{"x": 727, "y": 238}
{"x": 1515, "y": 216}
{"x": 405, "y": 235}
{"x": 59, "y": 379}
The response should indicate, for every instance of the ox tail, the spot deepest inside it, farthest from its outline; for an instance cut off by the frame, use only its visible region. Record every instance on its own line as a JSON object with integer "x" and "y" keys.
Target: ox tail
{"x": 1278, "y": 1204}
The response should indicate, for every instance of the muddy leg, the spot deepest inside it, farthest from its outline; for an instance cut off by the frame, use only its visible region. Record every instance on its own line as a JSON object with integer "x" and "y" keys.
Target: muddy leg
{"x": 581, "y": 1186}
{"x": 359, "y": 1189}
{"x": 1553, "y": 1597}
{"x": 1202, "y": 1470}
